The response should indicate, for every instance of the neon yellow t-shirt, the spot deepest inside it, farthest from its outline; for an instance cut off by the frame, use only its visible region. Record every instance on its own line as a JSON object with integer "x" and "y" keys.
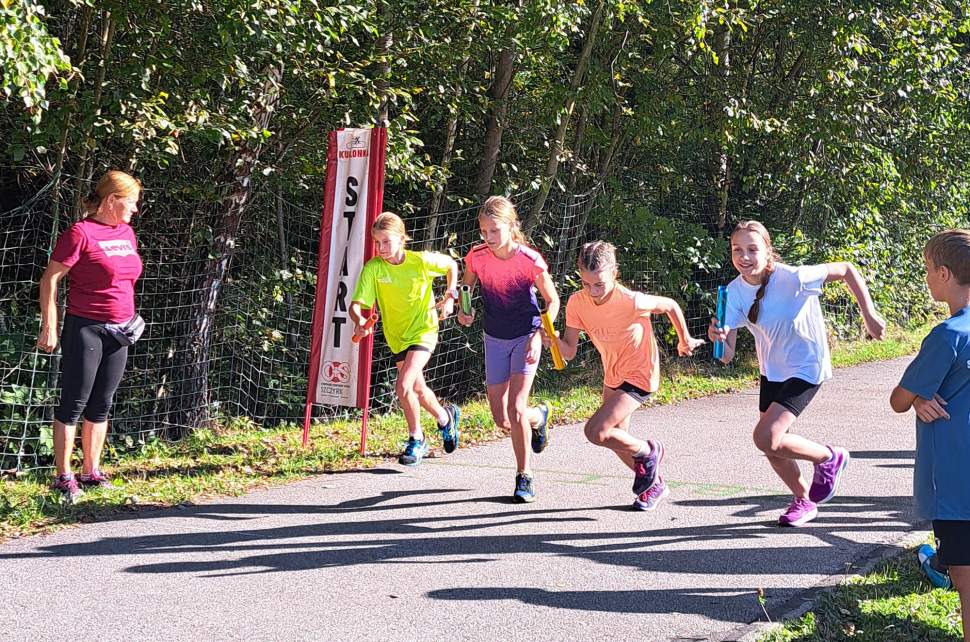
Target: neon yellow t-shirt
{"x": 405, "y": 297}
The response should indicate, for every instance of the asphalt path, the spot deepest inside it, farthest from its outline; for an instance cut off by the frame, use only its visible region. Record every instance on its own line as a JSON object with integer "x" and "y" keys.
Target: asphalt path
{"x": 439, "y": 552}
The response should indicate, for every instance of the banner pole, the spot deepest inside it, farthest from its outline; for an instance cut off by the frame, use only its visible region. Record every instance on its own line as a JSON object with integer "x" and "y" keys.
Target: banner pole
{"x": 320, "y": 296}
{"x": 375, "y": 205}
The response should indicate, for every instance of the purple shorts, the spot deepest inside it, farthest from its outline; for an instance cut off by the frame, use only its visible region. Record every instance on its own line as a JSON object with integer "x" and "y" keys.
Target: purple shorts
{"x": 506, "y": 357}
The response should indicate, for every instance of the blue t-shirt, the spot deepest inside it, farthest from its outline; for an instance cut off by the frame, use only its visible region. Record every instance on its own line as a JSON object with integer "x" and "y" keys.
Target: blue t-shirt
{"x": 941, "y": 479}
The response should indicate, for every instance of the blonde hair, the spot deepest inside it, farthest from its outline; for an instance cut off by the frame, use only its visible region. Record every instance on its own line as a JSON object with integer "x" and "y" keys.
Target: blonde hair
{"x": 596, "y": 256}
{"x": 113, "y": 182}
{"x": 499, "y": 208}
{"x": 390, "y": 222}
{"x": 951, "y": 249}
{"x": 762, "y": 231}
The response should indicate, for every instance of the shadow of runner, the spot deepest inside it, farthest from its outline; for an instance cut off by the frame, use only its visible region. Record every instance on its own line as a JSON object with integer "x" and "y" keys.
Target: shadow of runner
{"x": 728, "y": 605}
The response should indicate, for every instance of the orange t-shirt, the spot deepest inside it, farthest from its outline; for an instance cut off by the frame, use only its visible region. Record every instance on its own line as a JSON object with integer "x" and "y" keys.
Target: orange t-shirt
{"x": 620, "y": 329}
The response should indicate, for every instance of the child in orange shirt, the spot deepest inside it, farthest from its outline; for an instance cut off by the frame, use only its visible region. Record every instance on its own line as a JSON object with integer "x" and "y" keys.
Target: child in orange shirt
{"x": 617, "y": 320}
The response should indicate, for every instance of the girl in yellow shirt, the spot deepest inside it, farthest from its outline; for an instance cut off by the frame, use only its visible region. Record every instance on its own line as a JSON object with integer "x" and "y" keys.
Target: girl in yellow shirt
{"x": 400, "y": 281}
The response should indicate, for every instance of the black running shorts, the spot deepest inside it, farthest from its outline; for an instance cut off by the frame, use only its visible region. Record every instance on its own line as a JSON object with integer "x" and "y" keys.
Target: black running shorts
{"x": 953, "y": 541}
{"x": 792, "y": 394}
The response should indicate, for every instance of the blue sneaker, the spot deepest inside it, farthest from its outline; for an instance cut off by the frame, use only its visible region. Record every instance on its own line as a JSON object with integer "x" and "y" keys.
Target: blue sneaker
{"x": 540, "y": 435}
{"x": 449, "y": 432}
{"x": 525, "y": 493}
{"x": 926, "y": 556}
{"x": 414, "y": 452}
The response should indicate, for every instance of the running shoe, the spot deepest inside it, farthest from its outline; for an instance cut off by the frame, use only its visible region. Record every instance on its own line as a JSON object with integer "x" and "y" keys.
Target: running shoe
{"x": 645, "y": 468}
{"x": 525, "y": 492}
{"x": 827, "y": 475}
{"x": 68, "y": 487}
{"x": 540, "y": 434}
{"x": 927, "y": 558}
{"x": 95, "y": 479}
{"x": 414, "y": 452}
{"x": 449, "y": 432}
{"x": 650, "y": 498}
{"x": 801, "y": 511}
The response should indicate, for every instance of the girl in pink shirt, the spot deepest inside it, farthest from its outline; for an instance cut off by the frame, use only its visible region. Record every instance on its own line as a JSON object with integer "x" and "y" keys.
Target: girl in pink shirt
{"x": 617, "y": 321}
{"x": 509, "y": 273}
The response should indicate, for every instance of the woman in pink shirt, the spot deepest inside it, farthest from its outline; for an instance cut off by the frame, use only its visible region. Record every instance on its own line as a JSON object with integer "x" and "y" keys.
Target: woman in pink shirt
{"x": 617, "y": 321}
{"x": 99, "y": 255}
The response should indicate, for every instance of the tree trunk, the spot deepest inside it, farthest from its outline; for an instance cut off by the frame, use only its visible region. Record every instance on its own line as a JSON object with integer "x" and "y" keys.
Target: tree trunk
{"x": 193, "y": 398}
{"x": 452, "y": 133}
{"x": 721, "y": 166}
{"x": 495, "y": 121}
{"x": 384, "y": 73}
{"x": 86, "y": 164}
{"x": 82, "y": 48}
{"x": 565, "y": 115}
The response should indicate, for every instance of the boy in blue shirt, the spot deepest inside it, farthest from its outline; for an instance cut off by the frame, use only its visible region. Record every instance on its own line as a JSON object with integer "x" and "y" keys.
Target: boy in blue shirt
{"x": 937, "y": 386}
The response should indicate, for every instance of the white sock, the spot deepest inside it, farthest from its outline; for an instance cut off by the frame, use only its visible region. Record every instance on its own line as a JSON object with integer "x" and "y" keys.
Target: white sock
{"x": 444, "y": 418}
{"x": 644, "y": 452}
{"x": 419, "y": 436}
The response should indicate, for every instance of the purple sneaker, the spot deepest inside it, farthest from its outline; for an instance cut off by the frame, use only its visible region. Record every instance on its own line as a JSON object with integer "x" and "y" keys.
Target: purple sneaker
{"x": 96, "y": 478}
{"x": 827, "y": 475}
{"x": 645, "y": 468}
{"x": 650, "y": 498}
{"x": 67, "y": 486}
{"x": 801, "y": 511}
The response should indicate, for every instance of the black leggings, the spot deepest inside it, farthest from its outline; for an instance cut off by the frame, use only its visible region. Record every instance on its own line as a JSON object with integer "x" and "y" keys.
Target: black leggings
{"x": 92, "y": 364}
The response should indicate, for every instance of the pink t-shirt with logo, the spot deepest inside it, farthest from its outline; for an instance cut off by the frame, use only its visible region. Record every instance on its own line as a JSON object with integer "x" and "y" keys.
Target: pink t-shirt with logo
{"x": 104, "y": 266}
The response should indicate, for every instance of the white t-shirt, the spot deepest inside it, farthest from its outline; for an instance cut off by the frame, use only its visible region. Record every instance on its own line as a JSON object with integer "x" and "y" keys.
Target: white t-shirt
{"x": 790, "y": 334}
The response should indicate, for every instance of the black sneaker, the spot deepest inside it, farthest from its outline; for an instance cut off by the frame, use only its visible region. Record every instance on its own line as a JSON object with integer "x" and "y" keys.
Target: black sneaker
{"x": 525, "y": 492}
{"x": 449, "y": 432}
{"x": 540, "y": 434}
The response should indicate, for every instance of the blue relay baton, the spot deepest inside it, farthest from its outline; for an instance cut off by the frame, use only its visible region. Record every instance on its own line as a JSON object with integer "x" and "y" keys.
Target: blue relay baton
{"x": 721, "y": 313}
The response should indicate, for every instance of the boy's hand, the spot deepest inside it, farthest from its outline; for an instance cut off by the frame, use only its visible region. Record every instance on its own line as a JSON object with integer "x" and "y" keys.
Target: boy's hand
{"x": 686, "y": 347}
{"x": 876, "y": 326}
{"x": 929, "y": 410}
{"x": 445, "y": 307}
{"x": 535, "y": 348}
{"x": 466, "y": 319}
{"x": 715, "y": 333}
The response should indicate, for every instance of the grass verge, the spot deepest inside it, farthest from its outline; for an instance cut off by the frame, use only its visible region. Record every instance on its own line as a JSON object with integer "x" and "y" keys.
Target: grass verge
{"x": 893, "y": 603}
{"x": 238, "y": 455}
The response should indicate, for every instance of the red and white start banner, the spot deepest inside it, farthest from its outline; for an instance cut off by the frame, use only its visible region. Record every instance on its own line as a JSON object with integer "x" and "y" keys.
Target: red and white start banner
{"x": 340, "y": 368}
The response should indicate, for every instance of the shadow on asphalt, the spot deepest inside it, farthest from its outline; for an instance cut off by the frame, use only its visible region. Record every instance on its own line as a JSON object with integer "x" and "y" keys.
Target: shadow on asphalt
{"x": 909, "y": 455}
{"x": 447, "y": 539}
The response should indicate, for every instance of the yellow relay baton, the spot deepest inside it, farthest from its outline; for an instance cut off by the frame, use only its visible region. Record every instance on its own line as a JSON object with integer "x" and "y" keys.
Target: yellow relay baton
{"x": 557, "y": 360}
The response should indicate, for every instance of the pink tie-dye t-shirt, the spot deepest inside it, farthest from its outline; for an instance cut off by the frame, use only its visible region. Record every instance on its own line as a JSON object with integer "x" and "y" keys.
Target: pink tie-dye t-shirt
{"x": 508, "y": 290}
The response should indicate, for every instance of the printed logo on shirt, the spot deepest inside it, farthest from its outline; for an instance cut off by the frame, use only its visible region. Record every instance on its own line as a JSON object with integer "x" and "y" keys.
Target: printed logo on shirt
{"x": 120, "y": 247}
{"x": 386, "y": 280}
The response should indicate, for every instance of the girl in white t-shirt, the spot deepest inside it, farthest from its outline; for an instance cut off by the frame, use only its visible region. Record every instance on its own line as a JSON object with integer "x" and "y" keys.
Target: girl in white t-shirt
{"x": 779, "y": 304}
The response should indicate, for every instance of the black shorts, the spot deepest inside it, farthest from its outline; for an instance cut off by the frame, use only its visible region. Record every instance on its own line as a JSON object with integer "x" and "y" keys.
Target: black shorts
{"x": 636, "y": 392}
{"x": 952, "y": 541}
{"x": 792, "y": 394}
{"x": 398, "y": 357}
